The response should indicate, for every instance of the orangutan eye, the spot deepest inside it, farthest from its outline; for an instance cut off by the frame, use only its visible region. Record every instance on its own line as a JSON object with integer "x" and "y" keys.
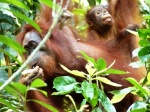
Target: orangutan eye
{"x": 30, "y": 46}
{"x": 98, "y": 13}
{"x": 33, "y": 44}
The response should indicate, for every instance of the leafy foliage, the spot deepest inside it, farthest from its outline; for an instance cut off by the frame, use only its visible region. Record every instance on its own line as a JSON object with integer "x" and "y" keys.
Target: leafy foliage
{"x": 14, "y": 13}
{"x": 92, "y": 93}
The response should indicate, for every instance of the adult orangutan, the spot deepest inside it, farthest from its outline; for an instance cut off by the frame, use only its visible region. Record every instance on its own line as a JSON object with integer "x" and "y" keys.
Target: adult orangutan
{"x": 111, "y": 42}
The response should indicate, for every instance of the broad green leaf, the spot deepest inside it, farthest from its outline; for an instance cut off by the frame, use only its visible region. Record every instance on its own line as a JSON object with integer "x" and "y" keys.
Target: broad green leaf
{"x": 23, "y": 17}
{"x": 6, "y": 18}
{"x": 143, "y": 33}
{"x": 137, "y": 85}
{"x": 137, "y": 64}
{"x": 64, "y": 83}
{"x": 3, "y": 74}
{"x": 87, "y": 58}
{"x": 147, "y": 17}
{"x": 144, "y": 42}
{"x": 88, "y": 91}
{"x": 107, "y": 81}
{"x": 78, "y": 89}
{"x": 8, "y": 104}
{"x": 120, "y": 94}
{"x": 123, "y": 91}
{"x": 117, "y": 98}
{"x": 104, "y": 70}
{"x": 104, "y": 100}
{"x": 20, "y": 87}
{"x": 145, "y": 6}
{"x": 16, "y": 3}
{"x": 11, "y": 43}
{"x": 114, "y": 71}
{"x": 38, "y": 83}
{"x": 144, "y": 53}
{"x": 9, "y": 89}
{"x": 94, "y": 100}
{"x": 74, "y": 72}
{"x": 48, "y": 106}
{"x": 135, "y": 52}
{"x": 101, "y": 64}
{"x": 11, "y": 56}
{"x": 138, "y": 106}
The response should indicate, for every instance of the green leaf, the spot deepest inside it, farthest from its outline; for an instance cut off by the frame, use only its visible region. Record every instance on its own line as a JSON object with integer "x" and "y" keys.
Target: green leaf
{"x": 138, "y": 106}
{"x": 92, "y": 2}
{"x": 120, "y": 94}
{"x": 137, "y": 64}
{"x": 16, "y": 3}
{"x": 144, "y": 42}
{"x": 87, "y": 58}
{"x": 148, "y": 77}
{"x": 117, "y": 98}
{"x": 6, "y": 18}
{"x": 143, "y": 33}
{"x": 8, "y": 104}
{"x": 107, "y": 81}
{"x": 114, "y": 71}
{"x": 11, "y": 56}
{"x": 144, "y": 53}
{"x": 9, "y": 89}
{"x": 101, "y": 64}
{"x": 74, "y": 72}
{"x": 64, "y": 83}
{"x": 20, "y": 87}
{"x": 91, "y": 70}
{"x": 137, "y": 85}
{"x": 47, "y": 2}
{"x": 139, "y": 110}
{"x": 30, "y": 2}
{"x": 82, "y": 107}
{"x": 97, "y": 109}
{"x": 35, "y": 89}
{"x": 23, "y": 17}
{"x": 147, "y": 2}
{"x": 94, "y": 100}
{"x": 104, "y": 100}
{"x": 104, "y": 70}
{"x": 38, "y": 83}
{"x": 48, "y": 106}
{"x": 88, "y": 91}
{"x": 11, "y": 43}
{"x": 135, "y": 52}
{"x": 61, "y": 93}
